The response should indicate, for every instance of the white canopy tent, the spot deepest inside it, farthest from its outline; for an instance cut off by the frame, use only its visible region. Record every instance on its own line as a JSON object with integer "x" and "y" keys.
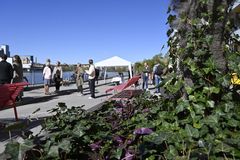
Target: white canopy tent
{"x": 114, "y": 62}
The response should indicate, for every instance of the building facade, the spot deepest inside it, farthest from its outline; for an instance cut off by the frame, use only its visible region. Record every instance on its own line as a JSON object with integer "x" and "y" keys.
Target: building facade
{"x": 5, "y": 49}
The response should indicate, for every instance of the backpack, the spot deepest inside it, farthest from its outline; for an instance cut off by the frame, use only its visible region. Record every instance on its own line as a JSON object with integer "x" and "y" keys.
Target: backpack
{"x": 97, "y": 72}
{"x": 159, "y": 70}
{"x": 58, "y": 73}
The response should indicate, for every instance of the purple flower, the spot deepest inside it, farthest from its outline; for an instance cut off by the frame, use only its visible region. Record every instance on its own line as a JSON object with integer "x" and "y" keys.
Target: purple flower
{"x": 128, "y": 156}
{"x": 146, "y": 110}
{"x": 119, "y": 104}
{"x": 119, "y": 110}
{"x": 118, "y": 139}
{"x": 143, "y": 131}
{"x": 129, "y": 141}
{"x": 95, "y": 146}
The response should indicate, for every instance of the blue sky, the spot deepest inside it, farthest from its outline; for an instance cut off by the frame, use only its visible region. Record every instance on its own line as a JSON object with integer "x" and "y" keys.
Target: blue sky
{"x": 75, "y": 30}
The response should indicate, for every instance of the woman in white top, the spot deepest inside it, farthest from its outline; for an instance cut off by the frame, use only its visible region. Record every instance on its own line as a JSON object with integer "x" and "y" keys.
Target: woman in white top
{"x": 57, "y": 76}
{"x": 47, "y": 74}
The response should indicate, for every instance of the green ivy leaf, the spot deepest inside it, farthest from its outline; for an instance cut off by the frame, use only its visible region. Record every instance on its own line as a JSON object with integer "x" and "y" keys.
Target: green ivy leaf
{"x": 161, "y": 137}
{"x": 233, "y": 123}
{"x": 212, "y": 120}
{"x": 117, "y": 154}
{"x": 210, "y": 90}
{"x": 172, "y": 152}
{"x": 189, "y": 89}
{"x": 53, "y": 152}
{"x": 203, "y": 131}
{"x": 151, "y": 158}
{"x": 12, "y": 148}
{"x": 209, "y": 39}
{"x": 171, "y": 18}
{"x": 192, "y": 132}
{"x": 197, "y": 125}
{"x": 198, "y": 108}
{"x": 206, "y": 70}
{"x": 182, "y": 105}
{"x": 223, "y": 148}
{"x": 78, "y": 130}
{"x": 65, "y": 145}
{"x": 211, "y": 104}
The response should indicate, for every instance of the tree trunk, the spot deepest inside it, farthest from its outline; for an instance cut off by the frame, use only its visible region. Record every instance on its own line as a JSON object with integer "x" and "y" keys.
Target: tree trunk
{"x": 217, "y": 46}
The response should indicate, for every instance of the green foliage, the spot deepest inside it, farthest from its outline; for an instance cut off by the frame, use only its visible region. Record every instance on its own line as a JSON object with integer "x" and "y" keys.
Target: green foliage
{"x": 164, "y": 61}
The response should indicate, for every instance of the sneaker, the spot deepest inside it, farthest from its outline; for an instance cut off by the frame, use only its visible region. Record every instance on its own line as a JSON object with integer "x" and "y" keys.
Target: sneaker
{"x": 91, "y": 98}
{"x": 80, "y": 94}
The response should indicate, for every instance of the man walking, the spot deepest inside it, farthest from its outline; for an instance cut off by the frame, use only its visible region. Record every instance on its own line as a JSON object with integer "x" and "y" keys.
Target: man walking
{"x": 91, "y": 76}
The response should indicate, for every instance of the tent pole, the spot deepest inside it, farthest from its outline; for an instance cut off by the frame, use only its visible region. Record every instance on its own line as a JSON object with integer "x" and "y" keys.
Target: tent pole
{"x": 105, "y": 74}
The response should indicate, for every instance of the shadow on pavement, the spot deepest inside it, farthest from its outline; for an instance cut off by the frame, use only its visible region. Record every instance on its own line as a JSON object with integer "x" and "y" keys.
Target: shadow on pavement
{"x": 19, "y": 128}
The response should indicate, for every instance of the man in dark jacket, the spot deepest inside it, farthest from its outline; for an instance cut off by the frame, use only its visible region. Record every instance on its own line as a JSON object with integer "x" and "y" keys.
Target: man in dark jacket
{"x": 6, "y": 70}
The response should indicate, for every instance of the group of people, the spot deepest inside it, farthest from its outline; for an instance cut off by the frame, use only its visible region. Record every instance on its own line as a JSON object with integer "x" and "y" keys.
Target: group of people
{"x": 56, "y": 75}
{"x": 155, "y": 75}
{"x": 11, "y": 73}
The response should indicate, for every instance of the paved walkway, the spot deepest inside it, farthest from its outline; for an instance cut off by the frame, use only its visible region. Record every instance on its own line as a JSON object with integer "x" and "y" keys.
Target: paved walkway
{"x": 34, "y": 99}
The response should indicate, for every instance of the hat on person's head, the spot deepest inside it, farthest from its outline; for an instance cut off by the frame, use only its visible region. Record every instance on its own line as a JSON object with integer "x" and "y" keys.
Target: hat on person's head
{"x": 90, "y": 61}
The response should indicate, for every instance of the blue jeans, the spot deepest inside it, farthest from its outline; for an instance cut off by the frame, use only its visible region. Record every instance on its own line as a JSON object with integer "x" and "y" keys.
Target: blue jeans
{"x": 157, "y": 82}
{"x": 145, "y": 82}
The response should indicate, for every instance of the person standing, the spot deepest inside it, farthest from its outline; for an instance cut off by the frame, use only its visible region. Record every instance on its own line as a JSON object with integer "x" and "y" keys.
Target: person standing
{"x": 157, "y": 72}
{"x": 91, "y": 78}
{"x": 17, "y": 72}
{"x": 57, "y": 75}
{"x": 145, "y": 76}
{"x": 79, "y": 78}
{"x": 18, "y": 69}
{"x": 47, "y": 73}
{"x": 6, "y": 70}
